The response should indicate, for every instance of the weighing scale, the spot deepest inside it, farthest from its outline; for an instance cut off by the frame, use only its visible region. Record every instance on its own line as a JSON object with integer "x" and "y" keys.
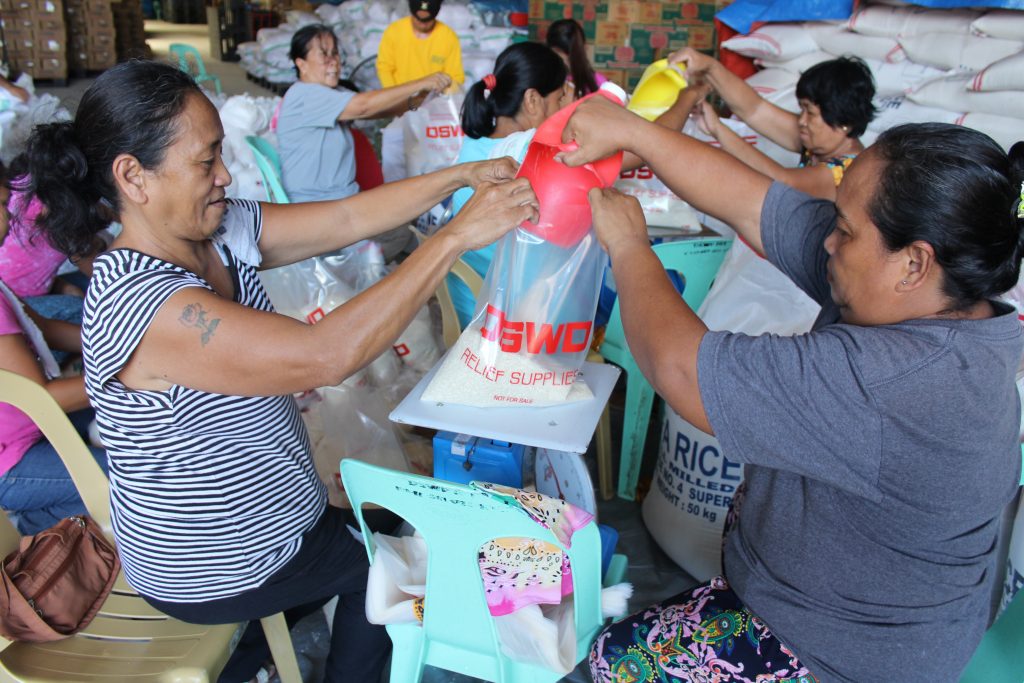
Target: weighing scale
{"x": 560, "y": 433}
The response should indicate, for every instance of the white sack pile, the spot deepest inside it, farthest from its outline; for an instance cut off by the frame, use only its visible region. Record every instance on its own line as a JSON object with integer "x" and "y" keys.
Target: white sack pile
{"x": 359, "y": 25}
{"x": 949, "y": 65}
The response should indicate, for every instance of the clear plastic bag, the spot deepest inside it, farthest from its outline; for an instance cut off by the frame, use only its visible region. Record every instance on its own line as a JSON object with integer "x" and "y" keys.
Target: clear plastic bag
{"x": 532, "y": 327}
{"x": 310, "y": 289}
{"x": 354, "y": 423}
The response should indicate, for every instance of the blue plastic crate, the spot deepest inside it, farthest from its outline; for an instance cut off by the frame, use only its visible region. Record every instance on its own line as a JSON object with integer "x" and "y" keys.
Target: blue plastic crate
{"x": 464, "y": 458}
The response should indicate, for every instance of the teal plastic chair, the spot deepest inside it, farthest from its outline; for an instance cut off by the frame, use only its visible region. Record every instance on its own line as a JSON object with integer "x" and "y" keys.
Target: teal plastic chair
{"x": 1000, "y": 656}
{"x": 269, "y": 164}
{"x": 458, "y": 632}
{"x": 698, "y": 261}
{"x": 183, "y": 53}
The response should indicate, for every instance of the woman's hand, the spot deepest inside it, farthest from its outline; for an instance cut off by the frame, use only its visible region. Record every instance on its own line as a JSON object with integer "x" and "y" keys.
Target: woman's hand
{"x": 707, "y": 120}
{"x": 437, "y": 82}
{"x": 600, "y": 128}
{"x": 490, "y": 171}
{"x": 493, "y": 210}
{"x": 618, "y": 219}
{"x": 697, "y": 63}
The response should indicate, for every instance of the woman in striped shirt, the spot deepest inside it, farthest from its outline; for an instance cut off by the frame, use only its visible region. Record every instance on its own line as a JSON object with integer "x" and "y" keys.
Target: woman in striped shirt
{"x": 218, "y": 513}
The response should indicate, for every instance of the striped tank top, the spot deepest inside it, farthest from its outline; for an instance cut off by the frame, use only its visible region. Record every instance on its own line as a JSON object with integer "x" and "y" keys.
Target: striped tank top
{"x": 210, "y": 494}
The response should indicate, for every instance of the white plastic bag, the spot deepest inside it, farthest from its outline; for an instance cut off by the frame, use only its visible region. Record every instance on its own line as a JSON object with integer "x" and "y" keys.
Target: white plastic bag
{"x": 16, "y": 130}
{"x": 397, "y": 579}
{"x": 544, "y": 635}
{"x": 432, "y": 134}
{"x": 752, "y": 296}
{"x": 310, "y": 289}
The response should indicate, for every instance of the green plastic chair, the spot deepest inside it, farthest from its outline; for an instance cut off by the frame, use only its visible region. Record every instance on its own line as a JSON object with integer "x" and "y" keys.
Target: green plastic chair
{"x": 1000, "y": 656}
{"x": 698, "y": 260}
{"x": 183, "y": 52}
{"x": 269, "y": 164}
{"x": 458, "y": 632}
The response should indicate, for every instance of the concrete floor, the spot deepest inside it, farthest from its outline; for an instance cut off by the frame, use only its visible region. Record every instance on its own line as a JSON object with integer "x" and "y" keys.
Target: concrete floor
{"x": 653, "y": 574}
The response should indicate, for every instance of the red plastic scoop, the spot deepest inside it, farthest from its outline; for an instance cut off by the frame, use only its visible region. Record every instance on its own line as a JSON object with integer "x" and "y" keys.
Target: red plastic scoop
{"x": 562, "y": 191}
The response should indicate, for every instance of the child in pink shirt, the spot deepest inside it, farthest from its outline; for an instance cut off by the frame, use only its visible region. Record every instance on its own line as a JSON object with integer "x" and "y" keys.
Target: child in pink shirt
{"x": 35, "y": 487}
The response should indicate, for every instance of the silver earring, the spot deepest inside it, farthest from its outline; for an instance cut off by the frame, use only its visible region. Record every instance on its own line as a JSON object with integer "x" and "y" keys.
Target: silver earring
{"x": 904, "y": 282}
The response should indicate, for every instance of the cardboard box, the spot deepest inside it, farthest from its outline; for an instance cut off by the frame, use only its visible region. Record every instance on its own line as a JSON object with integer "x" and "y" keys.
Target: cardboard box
{"x": 96, "y": 22}
{"x": 553, "y": 11}
{"x": 78, "y": 58}
{"x": 51, "y": 67}
{"x": 18, "y": 22}
{"x": 77, "y": 24}
{"x": 53, "y": 23}
{"x": 611, "y": 33}
{"x": 690, "y": 13}
{"x": 651, "y": 41}
{"x": 20, "y": 42}
{"x": 624, "y": 11}
{"x": 27, "y": 64}
{"x": 49, "y": 43}
{"x": 702, "y": 38}
{"x": 101, "y": 40}
{"x": 49, "y": 8}
{"x": 101, "y": 59}
{"x": 627, "y": 35}
{"x": 99, "y": 10}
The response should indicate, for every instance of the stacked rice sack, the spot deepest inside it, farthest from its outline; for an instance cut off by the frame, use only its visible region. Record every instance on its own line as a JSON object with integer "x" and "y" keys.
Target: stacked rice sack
{"x": 955, "y": 66}
{"x": 359, "y": 25}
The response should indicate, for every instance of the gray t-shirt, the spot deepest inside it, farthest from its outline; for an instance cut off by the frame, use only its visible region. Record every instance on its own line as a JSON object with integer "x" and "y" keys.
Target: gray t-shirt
{"x": 317, "y": 157}
{"x": 878, "y": 462}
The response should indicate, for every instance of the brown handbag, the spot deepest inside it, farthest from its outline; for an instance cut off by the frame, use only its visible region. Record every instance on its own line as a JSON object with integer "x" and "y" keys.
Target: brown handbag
{"x": 56, "y": 582}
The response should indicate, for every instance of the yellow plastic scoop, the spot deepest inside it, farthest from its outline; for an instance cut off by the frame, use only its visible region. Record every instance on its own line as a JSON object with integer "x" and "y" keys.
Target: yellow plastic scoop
{"x": 657, "y": 90}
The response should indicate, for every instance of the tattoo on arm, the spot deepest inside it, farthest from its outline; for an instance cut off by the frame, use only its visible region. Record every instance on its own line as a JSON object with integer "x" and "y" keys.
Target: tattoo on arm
{"x": 194, "y": 315}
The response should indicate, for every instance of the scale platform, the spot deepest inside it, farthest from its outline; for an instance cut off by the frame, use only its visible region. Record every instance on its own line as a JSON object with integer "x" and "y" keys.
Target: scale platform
{"x": 567, "y": 427}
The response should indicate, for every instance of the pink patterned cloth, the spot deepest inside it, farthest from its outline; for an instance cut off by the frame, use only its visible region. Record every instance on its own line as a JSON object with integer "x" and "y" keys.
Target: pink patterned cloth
{"x": 521, "y": 571}
{"x": 28, "y": 262}
{"x": 17, "y": 432}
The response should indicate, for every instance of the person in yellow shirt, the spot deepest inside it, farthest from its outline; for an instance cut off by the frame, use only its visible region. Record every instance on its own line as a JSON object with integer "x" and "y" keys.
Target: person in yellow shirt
{"x": 417, "y": 46}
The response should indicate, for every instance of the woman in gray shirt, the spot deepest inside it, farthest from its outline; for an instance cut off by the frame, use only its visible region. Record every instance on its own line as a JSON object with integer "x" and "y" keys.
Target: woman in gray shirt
{"x": 880, "y": 448}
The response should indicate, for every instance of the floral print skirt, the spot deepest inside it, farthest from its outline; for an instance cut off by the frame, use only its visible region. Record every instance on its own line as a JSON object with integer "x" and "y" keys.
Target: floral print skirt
{"x": 703, "y": 635}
